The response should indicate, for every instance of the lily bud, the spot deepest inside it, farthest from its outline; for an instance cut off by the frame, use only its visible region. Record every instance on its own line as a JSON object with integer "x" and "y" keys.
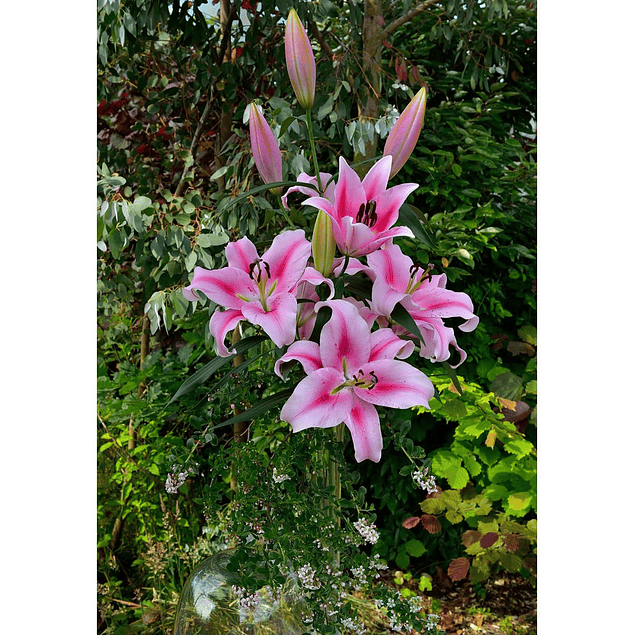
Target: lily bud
{"x": 265, "y": 148}
{"x": 323, "y": 244}
{"x": 403, "y": 137}
{"x": 300, "y": 60}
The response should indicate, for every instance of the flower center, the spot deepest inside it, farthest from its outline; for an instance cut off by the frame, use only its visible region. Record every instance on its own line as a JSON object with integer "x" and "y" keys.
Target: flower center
{"x": 417, "y": 279}
{"x": 367, "y": 213}
{"x": 367, "y": 381}
{"x": 260, "y": 273}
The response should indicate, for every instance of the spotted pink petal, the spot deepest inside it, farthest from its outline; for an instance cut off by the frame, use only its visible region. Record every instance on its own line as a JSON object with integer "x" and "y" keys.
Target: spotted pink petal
{"x": 399, "y": 385}
{"x": 241, "y": 253}
{"x": 384, "y": 344}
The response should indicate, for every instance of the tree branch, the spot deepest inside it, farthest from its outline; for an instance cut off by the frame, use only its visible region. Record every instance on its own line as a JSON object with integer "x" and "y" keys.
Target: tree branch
{"x": 319, "y": 36}
{"x": 393, "y": 26}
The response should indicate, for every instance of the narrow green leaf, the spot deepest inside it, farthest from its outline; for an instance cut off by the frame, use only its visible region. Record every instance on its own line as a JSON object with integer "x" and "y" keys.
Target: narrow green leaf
{"x": 202, "y": 375}
{"x": 409, "y": 217}
{"x": 403, "y": 318}
{"x": 452, "y": 374}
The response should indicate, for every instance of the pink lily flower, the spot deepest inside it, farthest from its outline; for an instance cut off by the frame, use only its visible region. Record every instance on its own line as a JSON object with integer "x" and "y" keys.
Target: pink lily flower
{"x": 259, "y": 290}
{"x": 405, "y": 133}
{"x": 267, "y": 155}
{"x": 348, "y": 374}
{"x": 424, "y": 296}
{"x": 300, "y": 60}
{"x": 325, "y": 181}
{"x": 364, "y": 212}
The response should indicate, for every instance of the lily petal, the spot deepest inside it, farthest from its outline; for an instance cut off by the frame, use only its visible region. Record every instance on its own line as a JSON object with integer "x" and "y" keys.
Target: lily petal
{"x": 221, "y": 323}
{"x": 399, "y": 385}
{"x": 279, "y": 321}
{"x": 346, "y": 336}
{"x": 241, "y": 253}
{"x": 384, "y": 344}
{"x": 223, "y": 286}
{"x": 363, "y": 424}
{"x": 305, "y": 352}
{"x": 313, "y": 406}
{"x": 287, "y": 258}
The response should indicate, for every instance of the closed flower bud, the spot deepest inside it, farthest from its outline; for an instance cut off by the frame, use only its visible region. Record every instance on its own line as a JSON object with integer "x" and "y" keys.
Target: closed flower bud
{"x": 300, "y": 60}
{"x": 405, "y": 133}
{"x": 264, "y": 147}
{"x": 323, "y": 243}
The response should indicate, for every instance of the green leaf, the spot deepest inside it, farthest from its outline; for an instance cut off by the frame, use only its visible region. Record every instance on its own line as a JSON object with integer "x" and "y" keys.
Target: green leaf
{"x": 411, "y": 217}
{"x": 202, "y": 375}
{"x": 520, "y": 500}
{"x": 528, "y": 334}
{"x": 402, "y": 560}
{"x": 415, "y": 548}
{"x": 266, "y": 404}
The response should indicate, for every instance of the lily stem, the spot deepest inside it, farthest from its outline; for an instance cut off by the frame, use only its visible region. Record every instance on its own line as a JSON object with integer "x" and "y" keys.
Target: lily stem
{"x": 309, "y": 126}
{"x": 284, "y": 211}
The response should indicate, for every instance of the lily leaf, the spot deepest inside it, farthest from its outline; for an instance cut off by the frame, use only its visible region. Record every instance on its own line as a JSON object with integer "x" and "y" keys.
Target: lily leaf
{"x": 413, "y": 219}
{"x": 202, "y": 375}
{"x": 266, "y": 404}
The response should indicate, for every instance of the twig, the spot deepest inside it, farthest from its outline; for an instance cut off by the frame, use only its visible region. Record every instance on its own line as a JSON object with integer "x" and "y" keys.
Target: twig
{"x": 393, "y": 26}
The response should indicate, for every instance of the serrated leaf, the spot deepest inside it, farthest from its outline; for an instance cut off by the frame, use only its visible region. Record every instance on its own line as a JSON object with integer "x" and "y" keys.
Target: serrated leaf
{"x": 510, "y": 561}
{"x": 453, "y": 517}
{"x": 432, "y": 506}
{"x": 454, "y": 409}
{"x": 528, "y": 334}
{"x": 507, "y": 385}
{"x": 402, "y": 560}
{"x": 470, "y": 537}
{"x": 457, "y": 569}
{"x": 411, "y": 522}
{"x": 431, "y": 524}
{"x": 488, "y": 539}
{"x": 519, "y": 500}
{"x": 479, "y": 571}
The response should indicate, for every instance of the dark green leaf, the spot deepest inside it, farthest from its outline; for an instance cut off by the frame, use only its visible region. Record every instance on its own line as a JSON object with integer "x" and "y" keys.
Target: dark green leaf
{"x": 266, "y": 404}
{"x": 412, "y": 219}
{"x": 202, "y": 375}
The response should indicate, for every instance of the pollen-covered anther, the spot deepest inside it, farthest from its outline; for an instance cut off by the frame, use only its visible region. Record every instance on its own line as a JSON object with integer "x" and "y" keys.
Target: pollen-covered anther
{"x": 256, "y": 265}
{"x": 367, "y": 213}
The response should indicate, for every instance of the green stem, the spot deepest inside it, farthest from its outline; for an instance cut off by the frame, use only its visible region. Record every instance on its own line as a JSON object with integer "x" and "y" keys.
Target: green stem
{"x": 284, "y": 211}
{"x": 313, "y": 152}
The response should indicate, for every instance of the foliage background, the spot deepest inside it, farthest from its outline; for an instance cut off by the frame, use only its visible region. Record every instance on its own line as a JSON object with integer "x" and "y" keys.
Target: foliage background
{"x": 163, "y": 209}
{"x": 62, "y": 537}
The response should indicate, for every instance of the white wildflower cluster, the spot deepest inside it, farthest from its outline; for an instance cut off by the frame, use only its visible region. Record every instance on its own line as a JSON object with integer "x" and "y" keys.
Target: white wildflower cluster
{"x": 367, "y": 530}
{"x": 319, "y": 544}
{"x": 353, "y": 625}
{"x": 364, "y": 574}
{"x": 432, "y": 621}
{"x": 388, "y": 608}
{"x": 425, "y": 481}
{"x": 247, "y": 601}
{"x": 306, "y": 573}
{"x": 176, "y": 479}
{"x": 279, "y": 478}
